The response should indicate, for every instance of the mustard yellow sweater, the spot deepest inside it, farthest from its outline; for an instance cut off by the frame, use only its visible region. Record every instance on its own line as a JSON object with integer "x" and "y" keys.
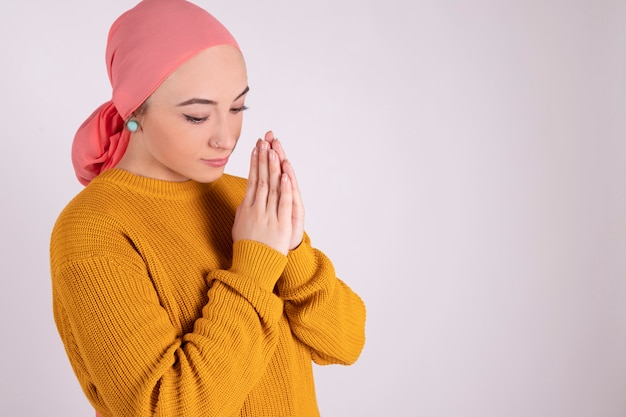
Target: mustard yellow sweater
{"x": 162, "y": 315}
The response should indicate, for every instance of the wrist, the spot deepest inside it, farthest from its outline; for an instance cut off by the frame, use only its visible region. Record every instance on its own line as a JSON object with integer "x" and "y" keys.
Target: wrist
{"x": 258, "y": 262}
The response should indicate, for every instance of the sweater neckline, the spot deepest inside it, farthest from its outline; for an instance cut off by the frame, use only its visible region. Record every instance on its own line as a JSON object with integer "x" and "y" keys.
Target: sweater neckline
{"x": 178, "y": 190}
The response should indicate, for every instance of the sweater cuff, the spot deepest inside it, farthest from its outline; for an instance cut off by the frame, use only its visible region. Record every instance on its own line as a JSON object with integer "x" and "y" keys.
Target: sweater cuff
{"x": 258, "y": 263}
{"x": 301, "y": 266}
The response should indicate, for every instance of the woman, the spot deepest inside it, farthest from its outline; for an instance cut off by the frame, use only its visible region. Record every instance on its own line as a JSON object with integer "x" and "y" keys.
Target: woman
{"x": 179, "y": 290}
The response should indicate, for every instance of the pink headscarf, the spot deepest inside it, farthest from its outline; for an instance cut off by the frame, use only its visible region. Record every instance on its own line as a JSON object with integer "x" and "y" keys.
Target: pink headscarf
{"x": 145, "y": 45}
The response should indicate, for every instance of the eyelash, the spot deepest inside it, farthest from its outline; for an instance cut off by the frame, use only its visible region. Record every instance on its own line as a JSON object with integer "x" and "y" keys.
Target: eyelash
{"x": 198, "y": 120}
{"x": 238, "y": 109}
{"x": 195, "y": 120}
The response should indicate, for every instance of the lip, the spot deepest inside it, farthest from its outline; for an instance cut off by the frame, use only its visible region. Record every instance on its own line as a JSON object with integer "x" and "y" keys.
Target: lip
{"x": 216, "y": 163}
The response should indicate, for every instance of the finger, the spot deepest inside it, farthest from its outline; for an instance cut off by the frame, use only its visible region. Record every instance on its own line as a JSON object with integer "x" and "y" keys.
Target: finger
{"x": 274, "y": 181}
{"x": 297, "y": 196}
{"x": 262, "y": 185}
{"x": 297, "y": 210}
{"x": 288, "y": 169}
{"x": 278, "y": 147}
{"x": 269, "y": 136}
{"x": 286, "y": 200}
{"x": 250, "y": 194}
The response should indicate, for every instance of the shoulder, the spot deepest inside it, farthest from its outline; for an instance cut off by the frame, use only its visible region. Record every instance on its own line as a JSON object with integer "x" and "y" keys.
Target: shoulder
{"x": 95, "y": 203}
{"x": 92, "y": 222}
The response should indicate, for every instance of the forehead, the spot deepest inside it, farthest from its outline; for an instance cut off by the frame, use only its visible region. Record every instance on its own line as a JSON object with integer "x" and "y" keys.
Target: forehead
{"x": 217, "y": 72}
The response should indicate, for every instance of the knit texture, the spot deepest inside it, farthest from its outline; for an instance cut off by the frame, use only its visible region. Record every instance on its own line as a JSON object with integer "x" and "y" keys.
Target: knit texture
{"x": 161, "y": 315}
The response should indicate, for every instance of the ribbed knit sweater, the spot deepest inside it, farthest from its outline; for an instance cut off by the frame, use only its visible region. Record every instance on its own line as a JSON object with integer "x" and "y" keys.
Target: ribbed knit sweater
{"x": 161, "y": 314}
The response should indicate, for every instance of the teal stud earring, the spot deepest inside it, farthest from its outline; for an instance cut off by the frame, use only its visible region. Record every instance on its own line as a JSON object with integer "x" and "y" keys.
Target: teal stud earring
{"x": 132, "y": 125}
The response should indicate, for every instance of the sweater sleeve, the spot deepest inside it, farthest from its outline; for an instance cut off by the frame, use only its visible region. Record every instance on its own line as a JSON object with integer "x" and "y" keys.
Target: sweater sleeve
{"x": 324, "y": 313}
{"x": 128, "y": 356}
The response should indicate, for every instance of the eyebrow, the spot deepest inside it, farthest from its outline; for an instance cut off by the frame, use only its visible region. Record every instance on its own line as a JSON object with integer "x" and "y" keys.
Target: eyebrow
{"x": 197, "y": 100}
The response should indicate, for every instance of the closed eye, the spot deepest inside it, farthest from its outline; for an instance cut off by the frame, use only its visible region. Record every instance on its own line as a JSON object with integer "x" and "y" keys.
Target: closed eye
{"x": 238, "y": 109}
{"x": 195, "y": 120}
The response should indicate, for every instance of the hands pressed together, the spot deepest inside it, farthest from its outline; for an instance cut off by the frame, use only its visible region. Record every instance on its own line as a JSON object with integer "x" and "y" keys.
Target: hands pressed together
{"x": 271, "y": 212}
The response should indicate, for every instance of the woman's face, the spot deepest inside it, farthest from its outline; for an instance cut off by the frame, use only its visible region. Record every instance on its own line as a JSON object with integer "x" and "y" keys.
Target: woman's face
{"x": 192, "y": 122}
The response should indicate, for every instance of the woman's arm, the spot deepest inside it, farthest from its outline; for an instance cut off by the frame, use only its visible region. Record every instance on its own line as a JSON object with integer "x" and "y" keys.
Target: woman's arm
{"x": 323, "y": 311}
{"x": 131, "y": 360}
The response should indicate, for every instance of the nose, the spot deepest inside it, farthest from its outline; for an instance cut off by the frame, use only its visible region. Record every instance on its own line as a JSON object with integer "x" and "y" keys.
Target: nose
{"x": 225, "y": 133}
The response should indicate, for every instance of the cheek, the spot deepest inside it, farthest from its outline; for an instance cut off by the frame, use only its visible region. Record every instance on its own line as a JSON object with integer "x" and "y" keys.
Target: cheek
{"x": 236, "y": 125}
{"x": 168, "y": 137}
{"x": 161, "y": 136}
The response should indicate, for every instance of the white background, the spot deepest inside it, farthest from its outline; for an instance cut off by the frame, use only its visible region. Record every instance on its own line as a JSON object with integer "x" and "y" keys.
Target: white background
{"x": 463, "y": 163}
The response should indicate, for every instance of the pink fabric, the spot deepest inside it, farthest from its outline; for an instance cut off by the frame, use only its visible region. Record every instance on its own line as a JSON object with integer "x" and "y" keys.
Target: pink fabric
{"x": 145, "y": 45}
